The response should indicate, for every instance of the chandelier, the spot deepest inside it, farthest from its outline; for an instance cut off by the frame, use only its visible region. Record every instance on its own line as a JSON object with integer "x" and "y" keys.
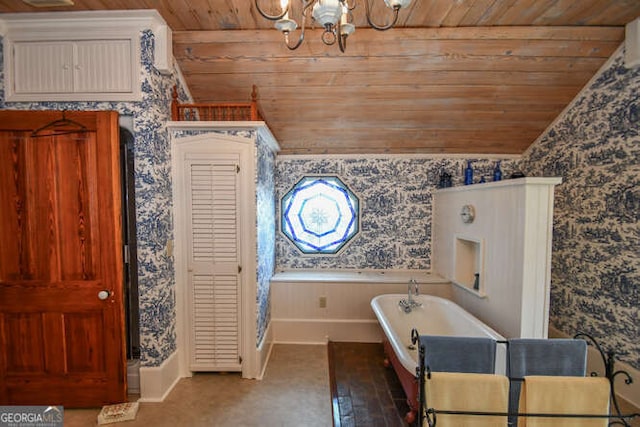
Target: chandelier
{"x": 333, "y": 15}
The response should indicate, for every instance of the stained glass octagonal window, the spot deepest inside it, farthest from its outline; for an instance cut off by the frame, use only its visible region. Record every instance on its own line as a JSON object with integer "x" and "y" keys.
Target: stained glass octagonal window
{"x": 319, "y": 214}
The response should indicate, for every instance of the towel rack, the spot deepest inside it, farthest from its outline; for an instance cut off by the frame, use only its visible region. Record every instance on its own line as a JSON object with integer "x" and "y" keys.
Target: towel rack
{"x": 619, "y": 419}
{"x": 608, "y": 358}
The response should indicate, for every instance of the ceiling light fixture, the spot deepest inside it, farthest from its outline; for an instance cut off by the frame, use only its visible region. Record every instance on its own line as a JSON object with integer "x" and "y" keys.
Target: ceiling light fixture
{"x": 333, "y": 15}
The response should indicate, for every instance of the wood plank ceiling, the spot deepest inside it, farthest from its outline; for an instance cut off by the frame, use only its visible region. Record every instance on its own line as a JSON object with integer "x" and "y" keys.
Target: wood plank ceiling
{"x": 455, "y": 76}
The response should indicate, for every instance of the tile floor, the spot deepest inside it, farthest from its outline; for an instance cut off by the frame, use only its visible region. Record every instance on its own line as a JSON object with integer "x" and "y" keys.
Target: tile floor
{"x": 371, "y": 397}
{"x": 219, "y": 400}
{"x": 367, "y": 393}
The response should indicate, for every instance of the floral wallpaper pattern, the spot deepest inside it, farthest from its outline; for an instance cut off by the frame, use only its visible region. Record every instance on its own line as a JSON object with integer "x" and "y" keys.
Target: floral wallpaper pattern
{"x": 595, "y": 148}
{"x": 153, "y": 199}
{"x": 395, "y": 194}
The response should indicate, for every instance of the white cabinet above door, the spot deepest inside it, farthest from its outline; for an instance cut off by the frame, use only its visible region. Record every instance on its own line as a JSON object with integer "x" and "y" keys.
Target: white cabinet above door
{"x": 81, "y": 55}
{"x": 73, "y": 68}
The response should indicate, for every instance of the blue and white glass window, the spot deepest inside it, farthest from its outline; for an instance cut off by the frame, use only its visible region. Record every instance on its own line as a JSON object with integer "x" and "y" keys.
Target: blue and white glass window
{"x": 320, "y": 214}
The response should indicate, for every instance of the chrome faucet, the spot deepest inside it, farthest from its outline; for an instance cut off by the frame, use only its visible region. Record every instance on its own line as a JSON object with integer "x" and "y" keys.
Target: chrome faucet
{"x": 410, "y": 303}
{"x": 416, "y": 292}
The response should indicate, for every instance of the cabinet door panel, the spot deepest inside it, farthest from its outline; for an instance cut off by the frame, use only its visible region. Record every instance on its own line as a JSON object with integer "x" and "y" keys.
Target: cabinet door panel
{"x": 43, "y": 67}
{"x": 103, "y": 66}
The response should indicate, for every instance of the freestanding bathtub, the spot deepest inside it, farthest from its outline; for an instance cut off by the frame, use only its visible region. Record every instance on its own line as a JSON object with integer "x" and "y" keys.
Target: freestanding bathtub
{"x": 436, "y": 316}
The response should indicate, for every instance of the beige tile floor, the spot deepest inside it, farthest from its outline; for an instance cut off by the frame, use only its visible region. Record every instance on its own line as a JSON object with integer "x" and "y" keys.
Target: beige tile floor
{"x": 280, "y": 399}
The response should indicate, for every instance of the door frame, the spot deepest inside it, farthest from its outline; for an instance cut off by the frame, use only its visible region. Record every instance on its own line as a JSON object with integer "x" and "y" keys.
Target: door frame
{"x": 215, "y": 142}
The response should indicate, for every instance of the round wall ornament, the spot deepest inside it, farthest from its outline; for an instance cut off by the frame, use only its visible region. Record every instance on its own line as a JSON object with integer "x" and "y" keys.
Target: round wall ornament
{"x": 468, "y": 214}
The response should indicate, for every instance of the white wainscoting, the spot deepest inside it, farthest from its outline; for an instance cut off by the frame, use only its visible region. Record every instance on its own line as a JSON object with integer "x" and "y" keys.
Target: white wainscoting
{"x": 297, "y": 315}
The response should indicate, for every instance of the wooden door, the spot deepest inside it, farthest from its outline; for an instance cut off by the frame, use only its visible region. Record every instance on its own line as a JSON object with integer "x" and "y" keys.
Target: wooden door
{"x": 60, "y": 231}
{"x": 212, "y": 209}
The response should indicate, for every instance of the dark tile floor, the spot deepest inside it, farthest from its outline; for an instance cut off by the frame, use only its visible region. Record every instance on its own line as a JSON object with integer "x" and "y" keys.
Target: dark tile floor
{"x": 364, "y": 392}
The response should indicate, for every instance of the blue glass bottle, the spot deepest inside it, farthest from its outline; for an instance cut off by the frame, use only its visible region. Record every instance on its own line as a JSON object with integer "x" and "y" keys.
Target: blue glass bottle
{"x": 497, "y": 173}
{"x": 468, "y": 174}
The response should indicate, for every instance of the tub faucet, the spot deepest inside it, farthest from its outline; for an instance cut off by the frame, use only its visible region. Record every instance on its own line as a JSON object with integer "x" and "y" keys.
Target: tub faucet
{"x": 410, "y": 303}
{"x": 414, "y": 292}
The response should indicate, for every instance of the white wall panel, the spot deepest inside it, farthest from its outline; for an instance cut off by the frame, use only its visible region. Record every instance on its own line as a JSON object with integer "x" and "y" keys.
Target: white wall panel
{"x": 513, "y": 220}
{"x": 296, "y": 314}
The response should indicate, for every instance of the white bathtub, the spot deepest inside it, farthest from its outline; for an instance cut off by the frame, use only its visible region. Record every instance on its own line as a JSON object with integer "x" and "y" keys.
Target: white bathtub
{"x": 436, "y": 316}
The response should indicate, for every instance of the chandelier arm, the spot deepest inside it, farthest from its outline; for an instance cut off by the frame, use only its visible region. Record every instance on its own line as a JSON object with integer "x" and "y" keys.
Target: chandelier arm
{"x": 298, "y": 43}
{"x": 350, "y": 7}
{"x": 396, "y": 9}
{"x": 271, "y": 17}
{"x": 342, "y": 38}
{"x": 342, "y": 42}
{"x": 307, "y": 4}
{"x": 302, "y": 28}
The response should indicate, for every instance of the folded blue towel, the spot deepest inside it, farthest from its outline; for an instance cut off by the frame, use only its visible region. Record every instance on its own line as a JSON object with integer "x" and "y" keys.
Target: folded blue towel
{"x": 550, "y": 357}
{"x": 472, "y": 355}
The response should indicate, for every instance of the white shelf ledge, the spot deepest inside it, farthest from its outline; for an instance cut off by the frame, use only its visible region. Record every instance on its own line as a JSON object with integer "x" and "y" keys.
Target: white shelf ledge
{"x": 503, "y": 183}
{"x": 473, "y": 292}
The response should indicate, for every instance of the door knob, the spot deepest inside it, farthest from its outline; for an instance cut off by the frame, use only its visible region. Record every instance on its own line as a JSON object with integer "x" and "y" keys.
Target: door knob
{"x": 103, "y": 295}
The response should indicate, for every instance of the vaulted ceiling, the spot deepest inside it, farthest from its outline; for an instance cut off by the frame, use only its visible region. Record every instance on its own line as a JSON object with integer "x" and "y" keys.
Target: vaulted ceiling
{"x": 454, "y": 76}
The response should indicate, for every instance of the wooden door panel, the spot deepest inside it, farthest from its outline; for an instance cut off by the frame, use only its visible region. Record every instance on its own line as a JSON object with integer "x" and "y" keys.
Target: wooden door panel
{"x": 28, "y": 354}
{"x": 74, "y": 207}
{"x": 15, "y": 261}
{"x": 84, "y": 331}
{"x": 59, "y": 343}
{"x": 21, "y": 390}
{"x": 78, "y": 335}
{"x": 56, "y": 212}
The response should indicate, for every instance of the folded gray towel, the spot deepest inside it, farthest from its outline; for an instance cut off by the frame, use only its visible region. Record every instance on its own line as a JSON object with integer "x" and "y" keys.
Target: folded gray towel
{"x": 459, "y": 354}
{"x": 530, "y": 356}
{"x": 562, "y": 357}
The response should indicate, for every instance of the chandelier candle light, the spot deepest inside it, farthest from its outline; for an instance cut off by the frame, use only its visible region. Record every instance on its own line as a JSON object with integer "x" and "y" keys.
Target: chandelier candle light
{"x": 333, "y": 15}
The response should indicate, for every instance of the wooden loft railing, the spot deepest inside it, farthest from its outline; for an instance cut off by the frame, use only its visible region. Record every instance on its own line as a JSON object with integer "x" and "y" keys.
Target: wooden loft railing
{"x": 232, "y": 111}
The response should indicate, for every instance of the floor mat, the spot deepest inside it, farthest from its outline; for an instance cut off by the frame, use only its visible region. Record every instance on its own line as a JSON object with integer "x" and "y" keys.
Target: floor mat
{"x": 117, "y": 413}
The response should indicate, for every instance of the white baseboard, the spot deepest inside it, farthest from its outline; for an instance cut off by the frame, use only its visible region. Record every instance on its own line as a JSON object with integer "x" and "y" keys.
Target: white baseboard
{"x": 264, "y": 351}
{"x": 157, "y": 382}
{"x": 319, "y": 331}
{"x": 628, "y": 392}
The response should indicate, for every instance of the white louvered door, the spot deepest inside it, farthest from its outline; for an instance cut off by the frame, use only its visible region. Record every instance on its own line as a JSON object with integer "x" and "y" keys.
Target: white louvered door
{"x": 214, "y": 263}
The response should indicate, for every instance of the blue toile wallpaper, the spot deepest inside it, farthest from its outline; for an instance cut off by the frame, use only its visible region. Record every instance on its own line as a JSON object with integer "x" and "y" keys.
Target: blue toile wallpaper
{"x": 266, "y": 232}
{"x": 153, "y": 199}
{"x": 395, "y": 194}
{"x": 595, "y": 148}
